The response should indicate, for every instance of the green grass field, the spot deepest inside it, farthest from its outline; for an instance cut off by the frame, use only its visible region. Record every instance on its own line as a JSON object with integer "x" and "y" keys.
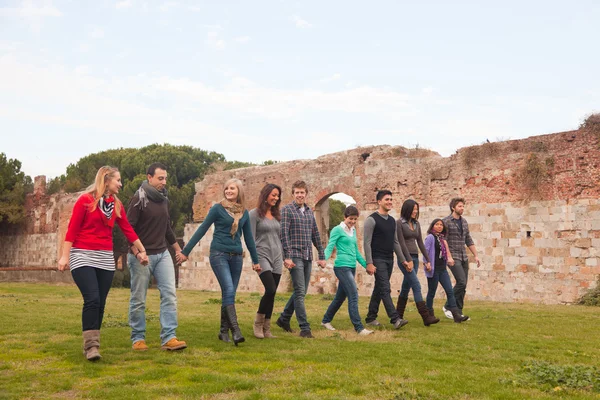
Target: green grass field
{"x": 507, "y": 351}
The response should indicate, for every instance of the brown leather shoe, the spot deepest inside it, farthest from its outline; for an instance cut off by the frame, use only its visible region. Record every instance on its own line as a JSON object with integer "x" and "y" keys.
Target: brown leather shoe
{"x": 174, "y": 344}
{"x": 140, "y": 345}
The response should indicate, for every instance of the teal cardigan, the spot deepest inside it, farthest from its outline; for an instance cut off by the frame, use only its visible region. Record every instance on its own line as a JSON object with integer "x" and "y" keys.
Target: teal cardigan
{"x": 347, "y": 249}
{"x": 222, "y": 239}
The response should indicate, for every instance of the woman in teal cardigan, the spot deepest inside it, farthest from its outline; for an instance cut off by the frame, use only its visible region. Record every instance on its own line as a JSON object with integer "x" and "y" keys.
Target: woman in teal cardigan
{"x": 231, "y": 220}
{"x": 343, "y": 238}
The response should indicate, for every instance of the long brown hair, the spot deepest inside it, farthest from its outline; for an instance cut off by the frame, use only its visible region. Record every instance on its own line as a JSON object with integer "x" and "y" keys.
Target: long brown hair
{"x": 263, "y": 206}
{"x": 98, "y": 188}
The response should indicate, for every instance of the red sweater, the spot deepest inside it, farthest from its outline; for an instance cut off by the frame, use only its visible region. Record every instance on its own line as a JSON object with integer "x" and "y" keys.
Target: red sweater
{"x": 91, "y": 230}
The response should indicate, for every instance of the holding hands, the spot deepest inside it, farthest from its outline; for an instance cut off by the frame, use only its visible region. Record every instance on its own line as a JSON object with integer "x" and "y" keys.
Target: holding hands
{"x": 142, "y": 257}
{"x": 180, "y": 257}
{"x": 288, "y": 263}
{"x": 371, "y": 269}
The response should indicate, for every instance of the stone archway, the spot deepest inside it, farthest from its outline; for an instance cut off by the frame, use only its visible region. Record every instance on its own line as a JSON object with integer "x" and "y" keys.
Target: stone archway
{"x": 322, "y": 214}
{"x": 545, "y": 267}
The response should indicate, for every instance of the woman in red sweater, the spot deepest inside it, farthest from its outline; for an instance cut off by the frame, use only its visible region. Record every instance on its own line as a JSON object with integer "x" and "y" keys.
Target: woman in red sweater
{"x": 88, "y": 250}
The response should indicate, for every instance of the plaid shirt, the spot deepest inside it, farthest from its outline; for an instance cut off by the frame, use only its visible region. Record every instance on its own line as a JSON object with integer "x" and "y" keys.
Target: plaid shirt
{"x": 298, "y": 230}
{"x": 457, "y": 240}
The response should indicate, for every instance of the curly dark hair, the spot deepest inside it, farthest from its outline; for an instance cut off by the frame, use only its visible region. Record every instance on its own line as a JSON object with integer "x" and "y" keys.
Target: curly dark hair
{"x": 263, "y": 206}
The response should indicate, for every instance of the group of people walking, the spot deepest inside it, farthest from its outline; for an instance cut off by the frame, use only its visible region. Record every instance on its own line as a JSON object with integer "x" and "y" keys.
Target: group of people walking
{"x": 276, "y": 237}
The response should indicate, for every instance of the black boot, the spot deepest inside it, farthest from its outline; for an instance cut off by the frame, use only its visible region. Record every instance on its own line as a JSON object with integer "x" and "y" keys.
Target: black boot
{"x": 427, "y": 318}
{"x": 401, "y": 306}
{"x": 458, "y": 317}
{"x": 233, "y": 324}
{"x": 224, "y": 331}
{"x": 432, "y": 313}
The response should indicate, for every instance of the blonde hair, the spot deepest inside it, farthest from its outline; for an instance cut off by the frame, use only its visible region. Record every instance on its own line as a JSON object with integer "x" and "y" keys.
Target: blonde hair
{"x": 98, "y": 188}
{"x": 240, "y": 187}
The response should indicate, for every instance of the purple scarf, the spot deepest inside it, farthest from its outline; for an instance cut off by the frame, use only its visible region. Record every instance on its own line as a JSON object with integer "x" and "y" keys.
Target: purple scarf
{"x": 440, "y": 238}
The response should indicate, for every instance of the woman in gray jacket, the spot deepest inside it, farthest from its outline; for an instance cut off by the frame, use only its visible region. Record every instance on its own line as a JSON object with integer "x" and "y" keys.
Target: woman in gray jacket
{"x": 409, "y": 232}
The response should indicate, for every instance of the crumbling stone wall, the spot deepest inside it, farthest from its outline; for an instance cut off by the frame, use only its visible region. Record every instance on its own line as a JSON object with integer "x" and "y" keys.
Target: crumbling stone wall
{"x": 532, "y": 205}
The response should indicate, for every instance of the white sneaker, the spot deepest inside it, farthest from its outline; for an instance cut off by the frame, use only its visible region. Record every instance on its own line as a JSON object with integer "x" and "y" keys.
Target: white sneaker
{"x": 328, "y": 326}
{"x": 365, "y": 332}
{"x": 447, "y": 313}
{"x": 374, "y": 323}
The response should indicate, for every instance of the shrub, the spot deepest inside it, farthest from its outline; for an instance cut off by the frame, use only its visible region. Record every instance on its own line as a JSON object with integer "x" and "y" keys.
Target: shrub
{"x": 592, "y": 297}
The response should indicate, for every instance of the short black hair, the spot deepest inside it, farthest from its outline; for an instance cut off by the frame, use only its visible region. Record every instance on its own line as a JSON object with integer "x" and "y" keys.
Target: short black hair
{"x": 382, "y": 193}
{"x": 152, "y": 168}
{"x": 351, "y": 211}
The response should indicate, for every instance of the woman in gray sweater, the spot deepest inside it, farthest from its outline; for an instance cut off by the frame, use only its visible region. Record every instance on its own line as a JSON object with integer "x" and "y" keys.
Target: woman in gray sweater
{"x": 264, "y": 221}
{"x": 409, "y": 232}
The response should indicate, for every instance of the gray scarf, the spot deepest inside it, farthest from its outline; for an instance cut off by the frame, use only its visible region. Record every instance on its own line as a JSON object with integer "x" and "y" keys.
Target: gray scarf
{"x": 147, "y": 192}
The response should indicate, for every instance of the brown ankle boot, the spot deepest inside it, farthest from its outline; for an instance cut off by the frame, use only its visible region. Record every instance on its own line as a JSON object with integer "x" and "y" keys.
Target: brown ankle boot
{"x": 401, "y": 306}
{"x": 91, "y": 344}
{"x": 259, "y": 323}
{"x": 267, "y": 329}
{"x": 427, "y": 319}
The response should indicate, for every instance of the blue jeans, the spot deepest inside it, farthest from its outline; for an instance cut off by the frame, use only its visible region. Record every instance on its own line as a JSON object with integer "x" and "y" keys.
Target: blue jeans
{"x": 228, "y": 269}
{"x": 300, "y": 275}
{"x": 411, "y": 281}
{"x": 161, "y": 266}
{"x": 346, "y": 288}
{"x": 444, "y": 278}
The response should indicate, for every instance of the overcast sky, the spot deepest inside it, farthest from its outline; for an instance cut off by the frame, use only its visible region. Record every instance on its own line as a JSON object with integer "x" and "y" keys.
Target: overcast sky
{"x": 259, "y": 80}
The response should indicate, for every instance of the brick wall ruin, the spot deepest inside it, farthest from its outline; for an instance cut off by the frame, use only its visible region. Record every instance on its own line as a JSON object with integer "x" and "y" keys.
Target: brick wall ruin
{"x": 533, "y": 206}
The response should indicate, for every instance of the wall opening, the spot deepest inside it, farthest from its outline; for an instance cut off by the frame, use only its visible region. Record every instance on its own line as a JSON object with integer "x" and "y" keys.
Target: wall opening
{"x": 329, "y": 212}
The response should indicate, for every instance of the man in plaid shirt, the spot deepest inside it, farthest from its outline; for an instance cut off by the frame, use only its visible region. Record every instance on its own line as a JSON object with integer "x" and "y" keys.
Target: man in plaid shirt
{"x": 298, "y": 234}
{"x": 458, "y": 237}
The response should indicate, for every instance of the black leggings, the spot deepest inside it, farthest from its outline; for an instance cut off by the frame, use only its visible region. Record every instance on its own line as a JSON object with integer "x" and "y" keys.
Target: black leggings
{"x": 270, "y": 281}
{"x": 94, "y": 284}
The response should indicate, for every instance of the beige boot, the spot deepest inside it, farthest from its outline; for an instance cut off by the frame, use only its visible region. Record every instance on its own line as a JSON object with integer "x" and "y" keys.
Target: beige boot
{"x": 259, "y": 322}
{"x": 91, "y": 344}
{"x": 267, "y": 329}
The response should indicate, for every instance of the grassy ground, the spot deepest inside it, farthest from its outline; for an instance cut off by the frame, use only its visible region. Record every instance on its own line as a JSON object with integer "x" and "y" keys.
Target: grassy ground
{"x": 507, "y": 351}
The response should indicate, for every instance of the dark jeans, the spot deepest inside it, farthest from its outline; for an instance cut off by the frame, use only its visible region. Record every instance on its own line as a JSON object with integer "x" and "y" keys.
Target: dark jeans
{"x": 442, "y": 277}
{"x": 411, "y": 281}
{"x": 381, "y": 292}
{"x": 460, "y": 270}
{"x": 300, "y": 279}
{"x": 94, "y": 284}
{"x": 346, "y": 288}
{"x": 228, "y": 269}
{"x": 270, "y": 282}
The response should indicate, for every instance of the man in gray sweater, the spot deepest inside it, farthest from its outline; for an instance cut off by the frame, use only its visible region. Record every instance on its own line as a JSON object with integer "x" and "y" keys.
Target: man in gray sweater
{"x": 380, "y": 244}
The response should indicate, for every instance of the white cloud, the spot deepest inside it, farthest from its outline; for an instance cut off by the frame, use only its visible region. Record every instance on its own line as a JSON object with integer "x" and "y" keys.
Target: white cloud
{"x": 29, "y": 10}
{"x": 213, "y": 41}
{"x": 427, "y": 90}
{"x": 334, "y": 77}
{"x": 82, "y": 70}
{"x": 195, "y": 8}
{"x": 242, "y": 39}
{"x": 124, "y": 4}
{"x": 301, "y": 23}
